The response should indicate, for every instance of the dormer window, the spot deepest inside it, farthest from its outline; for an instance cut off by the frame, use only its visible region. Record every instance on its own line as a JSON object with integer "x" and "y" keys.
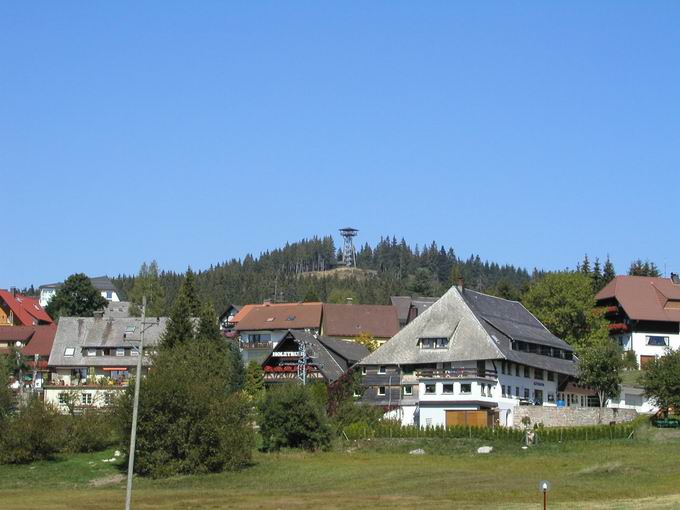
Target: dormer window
{"x": 434, "y": 343}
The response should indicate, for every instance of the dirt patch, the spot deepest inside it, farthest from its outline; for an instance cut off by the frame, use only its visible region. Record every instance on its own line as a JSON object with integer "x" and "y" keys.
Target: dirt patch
{"x": 107, "y": 480}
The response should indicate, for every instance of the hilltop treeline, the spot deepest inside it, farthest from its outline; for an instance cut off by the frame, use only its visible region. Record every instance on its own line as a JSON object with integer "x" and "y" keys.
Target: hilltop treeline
{"x": 294, "y": 273}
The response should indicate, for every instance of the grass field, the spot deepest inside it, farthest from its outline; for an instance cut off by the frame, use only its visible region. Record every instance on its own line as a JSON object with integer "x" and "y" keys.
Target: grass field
{"x": 638, "y": 473}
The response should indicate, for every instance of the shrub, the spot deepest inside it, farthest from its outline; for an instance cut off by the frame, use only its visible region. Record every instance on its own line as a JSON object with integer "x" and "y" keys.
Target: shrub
{"x": 33, "y": 433}
{"x": 190, "y": 420}
{"x": 290, "y": 416}
{"x": 91, "y": 431}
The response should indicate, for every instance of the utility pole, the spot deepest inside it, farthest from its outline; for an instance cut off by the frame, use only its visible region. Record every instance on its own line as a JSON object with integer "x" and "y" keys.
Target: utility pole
{"x": 135, "y": 411}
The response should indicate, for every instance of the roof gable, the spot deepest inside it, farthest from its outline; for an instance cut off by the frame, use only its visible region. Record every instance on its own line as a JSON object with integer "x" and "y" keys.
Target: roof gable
{"x": 644, "y": 298}
{"x": 380, "y": 321}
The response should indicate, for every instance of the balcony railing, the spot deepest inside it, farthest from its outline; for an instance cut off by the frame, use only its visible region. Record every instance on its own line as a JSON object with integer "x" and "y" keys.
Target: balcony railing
{"x": 456, "y": 373}
{"x": 256, "y": 345}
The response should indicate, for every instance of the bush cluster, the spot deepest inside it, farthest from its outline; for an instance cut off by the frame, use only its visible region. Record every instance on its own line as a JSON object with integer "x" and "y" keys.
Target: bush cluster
{"x": 38, "y": 432}
{"x": 293, "y": 416}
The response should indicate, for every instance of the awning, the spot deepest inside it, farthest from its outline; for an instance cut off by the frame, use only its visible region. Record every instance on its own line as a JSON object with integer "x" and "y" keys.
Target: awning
{"x": 110, "y": 369}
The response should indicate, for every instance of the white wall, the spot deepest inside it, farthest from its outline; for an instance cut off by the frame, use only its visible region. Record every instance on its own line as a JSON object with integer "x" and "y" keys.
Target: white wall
{"x": 639, "y": 344}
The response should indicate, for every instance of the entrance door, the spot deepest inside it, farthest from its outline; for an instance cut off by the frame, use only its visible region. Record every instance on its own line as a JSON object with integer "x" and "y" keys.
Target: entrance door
{"x": 644, "y": 360}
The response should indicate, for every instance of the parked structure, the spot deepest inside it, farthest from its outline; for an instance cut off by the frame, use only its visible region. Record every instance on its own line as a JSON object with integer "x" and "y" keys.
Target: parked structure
{"x": 643, "y": 314}
{"x": 321, "y": 358}
{"x": 469, "y": 358}
{"x": 102, "y": 283}
{"x": 19, "y": 310}
{"x": 347, "y": 322}
{"x": 92, "y": 358}
{"x": 408, "y": 308}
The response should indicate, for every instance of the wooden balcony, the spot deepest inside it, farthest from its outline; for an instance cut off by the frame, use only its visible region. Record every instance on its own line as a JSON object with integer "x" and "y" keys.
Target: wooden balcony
{"x": 456, "y": 373}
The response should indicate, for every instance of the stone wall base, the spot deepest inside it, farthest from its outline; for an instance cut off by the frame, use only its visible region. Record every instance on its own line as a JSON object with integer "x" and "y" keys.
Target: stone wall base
{"x": 571, "y": 416}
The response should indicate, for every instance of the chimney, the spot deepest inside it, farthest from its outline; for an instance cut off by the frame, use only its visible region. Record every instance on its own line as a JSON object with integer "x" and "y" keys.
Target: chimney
{"x": 14, "y": 292}
{"x": 675, "y": 278}
{"x": 349, "y": 300}
{"x": 461, "y": 284}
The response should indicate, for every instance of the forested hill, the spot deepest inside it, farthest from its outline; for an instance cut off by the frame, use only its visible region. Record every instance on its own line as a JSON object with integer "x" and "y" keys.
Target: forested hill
{"x": 394, "y": 268}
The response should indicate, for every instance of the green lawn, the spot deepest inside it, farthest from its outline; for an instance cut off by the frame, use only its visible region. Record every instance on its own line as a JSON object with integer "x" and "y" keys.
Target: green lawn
{"x": 640, "y": 473}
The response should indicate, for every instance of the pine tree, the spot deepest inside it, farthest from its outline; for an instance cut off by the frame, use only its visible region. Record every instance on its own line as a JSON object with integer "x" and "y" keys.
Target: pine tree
{"x": 585, "y": 265}
{"x": 189, "y": 287}
{"x": 596, "y": 276}
{"x": 254, "y": 383}
{"x": 179, "y": 328}
{"x": 609, "y": 273}
{"x": 208, "y": 327}
{"x": 148, "y": 284}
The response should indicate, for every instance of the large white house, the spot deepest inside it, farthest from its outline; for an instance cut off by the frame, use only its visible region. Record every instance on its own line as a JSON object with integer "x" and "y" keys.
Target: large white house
{"x": 93, "y": 358}
{"x": 470, "y": 359}
{"x": 102, "y": 283}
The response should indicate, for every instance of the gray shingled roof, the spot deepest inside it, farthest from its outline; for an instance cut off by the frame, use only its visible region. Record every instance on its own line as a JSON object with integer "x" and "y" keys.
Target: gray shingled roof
{"x": 479, "y": 327}
{"x": 98, "y": 282}
{"x": 80, "y": 332}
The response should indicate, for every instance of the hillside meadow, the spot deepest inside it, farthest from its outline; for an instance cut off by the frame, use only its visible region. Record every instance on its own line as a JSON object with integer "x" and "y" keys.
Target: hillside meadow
{"x": 639, "y": 473}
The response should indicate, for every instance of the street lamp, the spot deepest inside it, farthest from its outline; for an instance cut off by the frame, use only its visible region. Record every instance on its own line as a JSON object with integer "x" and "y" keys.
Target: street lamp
{"x": 544, "y": 487}
{"x": 19, "y": 345}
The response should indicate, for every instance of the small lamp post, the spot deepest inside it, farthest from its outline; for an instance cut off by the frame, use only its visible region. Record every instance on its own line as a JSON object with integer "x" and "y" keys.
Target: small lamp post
{"x": 19, "y": 345}
{"x": 36, "y": 359}
{"x": 544, "y": 487}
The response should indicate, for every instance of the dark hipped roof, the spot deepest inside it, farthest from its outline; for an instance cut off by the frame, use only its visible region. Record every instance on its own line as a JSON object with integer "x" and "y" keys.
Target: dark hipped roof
{"x": 465, "y": 318}
{"x": 351, "y": 320}
{"x": 644, "y": 297}
{"x": 281, "y": 316}
{"x": 331, "y": 356}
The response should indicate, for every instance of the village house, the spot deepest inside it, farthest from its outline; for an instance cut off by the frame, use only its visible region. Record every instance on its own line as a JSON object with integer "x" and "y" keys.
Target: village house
{"x": 92, "y": 358}
{"x": 260, "y": 327}
{"x": 316, "y": 358}
{"x": 101, "y": 283}
{"x": 347, "y": 322}
{"x": 34, "y": 346}
{"x": 643, "y": 314}
{"x": 226, "y": 320}
{"x": 19, "y": 310}
{"x": 469, "y": 359}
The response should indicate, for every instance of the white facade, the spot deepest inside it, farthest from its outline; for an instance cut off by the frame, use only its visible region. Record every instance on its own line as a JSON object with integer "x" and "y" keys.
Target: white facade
{"x": 648, "y": 344}
{"x": 47, "y": 293}
{"x": 262, "y": 337}
{"x": 633, "y": 398}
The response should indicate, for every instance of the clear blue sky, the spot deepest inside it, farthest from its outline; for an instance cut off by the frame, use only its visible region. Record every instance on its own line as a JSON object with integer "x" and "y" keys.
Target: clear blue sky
{"x": 194, "y": 132}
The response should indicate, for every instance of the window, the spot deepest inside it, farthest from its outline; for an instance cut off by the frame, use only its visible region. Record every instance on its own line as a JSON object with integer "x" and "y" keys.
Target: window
{"x": 290, "y": 318}
{"x": 466, "y": 388}
{"x": 92, "y": 352}
{"x": 503, "y": 365}
{"x": 538, "y": 373}
{"x": 108, "y": 398}
{"x": 86, "y": 399}
{"x": 526, "y": 393}
{"x": 447, "y": 388}
{"x": 551, "y": 376}
{"x": 434, "y": 343}
{"x": 381, "y": 369}
{"x": 109, "y": 294}
{"x": 356, "y": 394}
{"x": 381, "y": 391}
{"x": 120, "y": 351}
{"x": 551, "y": 397}
{"x": 255, "y": 338}
{"x": 526, "y": 372}
{"x": 430, "y": 389}
{"x": 657, "y": 341}
{"x": 517, "y": 391}
{"x": 62, "y": 397}
{"x": 134, "y": 352}
{"x": 363, "y": 370}
{"x": 408, "y": 390}
{"x": 69, "y": 351}
{"x": 517, "y": 370}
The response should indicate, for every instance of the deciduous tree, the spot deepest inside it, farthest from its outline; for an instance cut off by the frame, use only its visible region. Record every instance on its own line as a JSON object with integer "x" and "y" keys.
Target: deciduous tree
{"x": 147, "y": 283}
{"x": 661, "y": 380}
{"x": 600, "y": 367}
{"x": 76, "y": 298}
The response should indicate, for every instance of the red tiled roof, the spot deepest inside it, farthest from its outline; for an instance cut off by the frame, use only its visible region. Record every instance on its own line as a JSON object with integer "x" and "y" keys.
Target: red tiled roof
{"x": 41, "y": 341}
{"x": 26, "y": 310}
{"x": 380, "y": 321}
{"x": 16, "y": 333}
{"x": 279, "y": 316}
{"x": 645, "y": 298}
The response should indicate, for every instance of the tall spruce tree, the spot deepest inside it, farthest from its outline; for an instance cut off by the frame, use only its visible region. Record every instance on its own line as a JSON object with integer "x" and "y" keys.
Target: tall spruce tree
{"x": 596, "y": 275}
{"x": 180, "y": 327}
{"x": 189, "y": 286}
{"x": 609, "y": 273}
{"x": 148, "y": 284}
{"x": 208, "y": 327}
{"x": 585, "y": 265}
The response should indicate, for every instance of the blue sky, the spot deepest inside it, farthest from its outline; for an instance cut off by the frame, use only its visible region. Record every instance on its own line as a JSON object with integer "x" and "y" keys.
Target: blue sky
{"x": 194, "y": 132}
